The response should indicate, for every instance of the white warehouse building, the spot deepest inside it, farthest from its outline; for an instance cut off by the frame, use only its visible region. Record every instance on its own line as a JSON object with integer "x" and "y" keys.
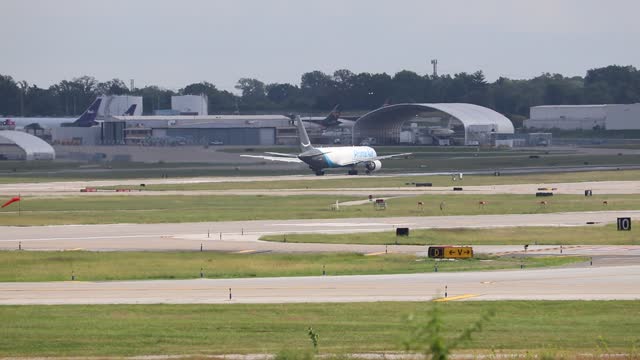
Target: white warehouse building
{"x": 197, "y": 105}
{"x": 585, "y": 117}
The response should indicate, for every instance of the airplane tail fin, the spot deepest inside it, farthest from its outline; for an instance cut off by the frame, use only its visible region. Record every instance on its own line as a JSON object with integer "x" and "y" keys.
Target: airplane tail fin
{"x": 305, "y": 144}
{"x": 333, "y": 118}
{"x": 131, "y": 110}
{"x": 88, "y": 117}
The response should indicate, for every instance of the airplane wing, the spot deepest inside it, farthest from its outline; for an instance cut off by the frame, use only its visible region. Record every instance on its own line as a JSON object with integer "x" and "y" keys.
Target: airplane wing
{"x": 275, "y": 158}
{"x": 389, "y": 156}
{"x": 360, "y": 161}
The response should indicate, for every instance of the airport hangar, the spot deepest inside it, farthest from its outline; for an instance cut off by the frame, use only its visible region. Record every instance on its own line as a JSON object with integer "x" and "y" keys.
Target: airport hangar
{"x": 421, "y": 124}
{"x": 585, "y": 117}
{"x": 199, "y": 130}
{"x": 438, "y": 123}
{"x": 18, "y": 145}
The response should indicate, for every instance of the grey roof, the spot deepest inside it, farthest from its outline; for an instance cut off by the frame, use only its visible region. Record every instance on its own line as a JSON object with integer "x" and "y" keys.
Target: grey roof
{"x": 386, "y": 122}
{"x": 34, "y": 147}
{"x": 468, "y": 114}
{"x": 471, "y": 114}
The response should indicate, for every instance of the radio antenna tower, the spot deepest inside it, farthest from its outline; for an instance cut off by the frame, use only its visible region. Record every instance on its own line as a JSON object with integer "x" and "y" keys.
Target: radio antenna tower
{"x": 434, "y": 62}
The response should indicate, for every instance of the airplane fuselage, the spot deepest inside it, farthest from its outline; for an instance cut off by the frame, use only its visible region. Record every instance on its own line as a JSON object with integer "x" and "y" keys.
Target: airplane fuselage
{"x": 334, "y": 157}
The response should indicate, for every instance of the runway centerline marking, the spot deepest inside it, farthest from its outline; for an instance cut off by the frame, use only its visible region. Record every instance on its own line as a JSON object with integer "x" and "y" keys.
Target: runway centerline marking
{"x": 248, "y": 251}
{"x": 453, "y": 298}
{"x": 376, "y": 253}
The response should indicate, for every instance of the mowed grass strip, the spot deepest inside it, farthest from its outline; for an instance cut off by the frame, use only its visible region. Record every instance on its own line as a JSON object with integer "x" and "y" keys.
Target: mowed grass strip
{"x": 403, "y": 181}
{"x": 130, "y": 330}
{"x": 164, "y": 209}
{"x": 574, "y": 235}
{"x": 174, "y": 209}
{"x": 20, "y": 266}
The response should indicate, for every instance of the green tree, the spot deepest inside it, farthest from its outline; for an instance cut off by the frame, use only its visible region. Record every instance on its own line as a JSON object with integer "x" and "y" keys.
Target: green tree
{"x": 9, "y": 96}
{"x": 112, "y": 87}
{"x": 407, "y": 86}
{"x": 282, "y": 94}
{"x": 154, "y": 98}
{"x": 254, "y": 93}
{"x": 219, "y": 101}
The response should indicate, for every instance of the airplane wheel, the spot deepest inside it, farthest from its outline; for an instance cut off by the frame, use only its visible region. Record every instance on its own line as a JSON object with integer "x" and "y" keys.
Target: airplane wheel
{"x": 353, "y": 172}
{"x": 319, "y": 173}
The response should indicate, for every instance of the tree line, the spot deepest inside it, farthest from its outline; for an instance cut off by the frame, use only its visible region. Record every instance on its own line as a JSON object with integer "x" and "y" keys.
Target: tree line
{"x": 319, "y": 92}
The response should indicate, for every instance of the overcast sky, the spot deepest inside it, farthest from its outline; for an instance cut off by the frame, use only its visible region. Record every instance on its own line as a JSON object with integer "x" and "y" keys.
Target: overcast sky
{"x": 178, "y": 42}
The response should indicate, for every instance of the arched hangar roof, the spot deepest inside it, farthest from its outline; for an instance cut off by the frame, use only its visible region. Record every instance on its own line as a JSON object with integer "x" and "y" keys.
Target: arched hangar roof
{"x": 34, "y": 147}
{"x": 389, "y": 119}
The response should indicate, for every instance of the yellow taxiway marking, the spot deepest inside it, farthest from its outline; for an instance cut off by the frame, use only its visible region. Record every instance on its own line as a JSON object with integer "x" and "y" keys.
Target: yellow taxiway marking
{"x": 244, "y": 251}
{"x": 376, "y": 253}
{"x": 453, "y": 298}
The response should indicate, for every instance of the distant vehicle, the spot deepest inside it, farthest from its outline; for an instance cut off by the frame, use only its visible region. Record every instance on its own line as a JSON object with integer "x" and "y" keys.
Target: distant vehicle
{"x": 440, "y": 131}
{"x": 216, "y": 142}
{"x": 368, "y": 141}
{"x": 320, "y": 158}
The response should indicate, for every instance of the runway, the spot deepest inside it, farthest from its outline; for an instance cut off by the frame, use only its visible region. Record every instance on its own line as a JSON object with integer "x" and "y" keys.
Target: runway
{"x": 243, "y": 235}
{"x": 590, "y": 283}
{"x": 60, "y": 189}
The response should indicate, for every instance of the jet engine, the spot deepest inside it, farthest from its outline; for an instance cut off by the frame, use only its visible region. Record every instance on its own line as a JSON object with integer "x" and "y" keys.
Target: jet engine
{"x": 374, "y": 165}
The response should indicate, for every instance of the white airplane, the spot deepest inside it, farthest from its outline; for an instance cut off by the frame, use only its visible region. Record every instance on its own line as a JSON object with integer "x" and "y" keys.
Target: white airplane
{"x": 330, "y": 157}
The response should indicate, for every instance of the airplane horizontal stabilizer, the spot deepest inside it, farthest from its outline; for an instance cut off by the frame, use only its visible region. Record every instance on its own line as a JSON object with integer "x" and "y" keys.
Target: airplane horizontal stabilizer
{"x": 275, "y": 158}
{"x": 282, "y": 154}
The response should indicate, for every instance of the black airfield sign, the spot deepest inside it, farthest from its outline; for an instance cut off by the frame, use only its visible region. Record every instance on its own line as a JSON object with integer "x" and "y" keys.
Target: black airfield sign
{"x": 450, "y": 252}
{"x": 624, "y": 224}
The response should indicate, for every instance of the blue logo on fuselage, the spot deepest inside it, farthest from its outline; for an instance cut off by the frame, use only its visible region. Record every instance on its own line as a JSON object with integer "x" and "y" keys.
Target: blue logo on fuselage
{"x": 365, "y": 153}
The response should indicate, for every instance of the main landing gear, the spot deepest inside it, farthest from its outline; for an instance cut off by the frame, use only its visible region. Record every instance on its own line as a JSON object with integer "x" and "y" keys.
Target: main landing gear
{"x": 319, "y": 172}
{"x": 353, "y": 172}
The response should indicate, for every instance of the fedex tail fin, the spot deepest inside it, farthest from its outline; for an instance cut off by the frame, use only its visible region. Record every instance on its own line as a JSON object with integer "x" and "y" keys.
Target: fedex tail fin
{"x": 88, "y": 117}
{"x": 305, "y": 144}
{"x": 130, "y": 110}
{"x": 333, "y": 118}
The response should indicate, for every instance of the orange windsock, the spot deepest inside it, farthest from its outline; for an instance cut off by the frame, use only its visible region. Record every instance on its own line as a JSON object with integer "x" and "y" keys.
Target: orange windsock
{"x": 15, "y": 199}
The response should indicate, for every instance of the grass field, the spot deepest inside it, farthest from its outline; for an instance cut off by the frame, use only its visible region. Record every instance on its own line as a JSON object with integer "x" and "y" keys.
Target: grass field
{"x": 172, "y": 209}
{"x": 548, "y": 327}
{"x": 581, "y": 235}
{"x": 96, "y": 266}
{"x": 405, "y": 181}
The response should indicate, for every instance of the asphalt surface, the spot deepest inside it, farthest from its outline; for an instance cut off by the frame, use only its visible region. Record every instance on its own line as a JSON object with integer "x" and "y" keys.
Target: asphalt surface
{"x": 588, "y": 283}
{"x": 614, "y": 275}
{"x": 243, "y": 235}
{"x": 58, "y": 189}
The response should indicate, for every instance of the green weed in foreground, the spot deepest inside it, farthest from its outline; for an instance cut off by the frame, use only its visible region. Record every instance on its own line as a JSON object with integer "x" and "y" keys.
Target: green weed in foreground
{"x": 128, "y": 330}
{"x": 575, "y": 235}
{"x": 98, "y": 266}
